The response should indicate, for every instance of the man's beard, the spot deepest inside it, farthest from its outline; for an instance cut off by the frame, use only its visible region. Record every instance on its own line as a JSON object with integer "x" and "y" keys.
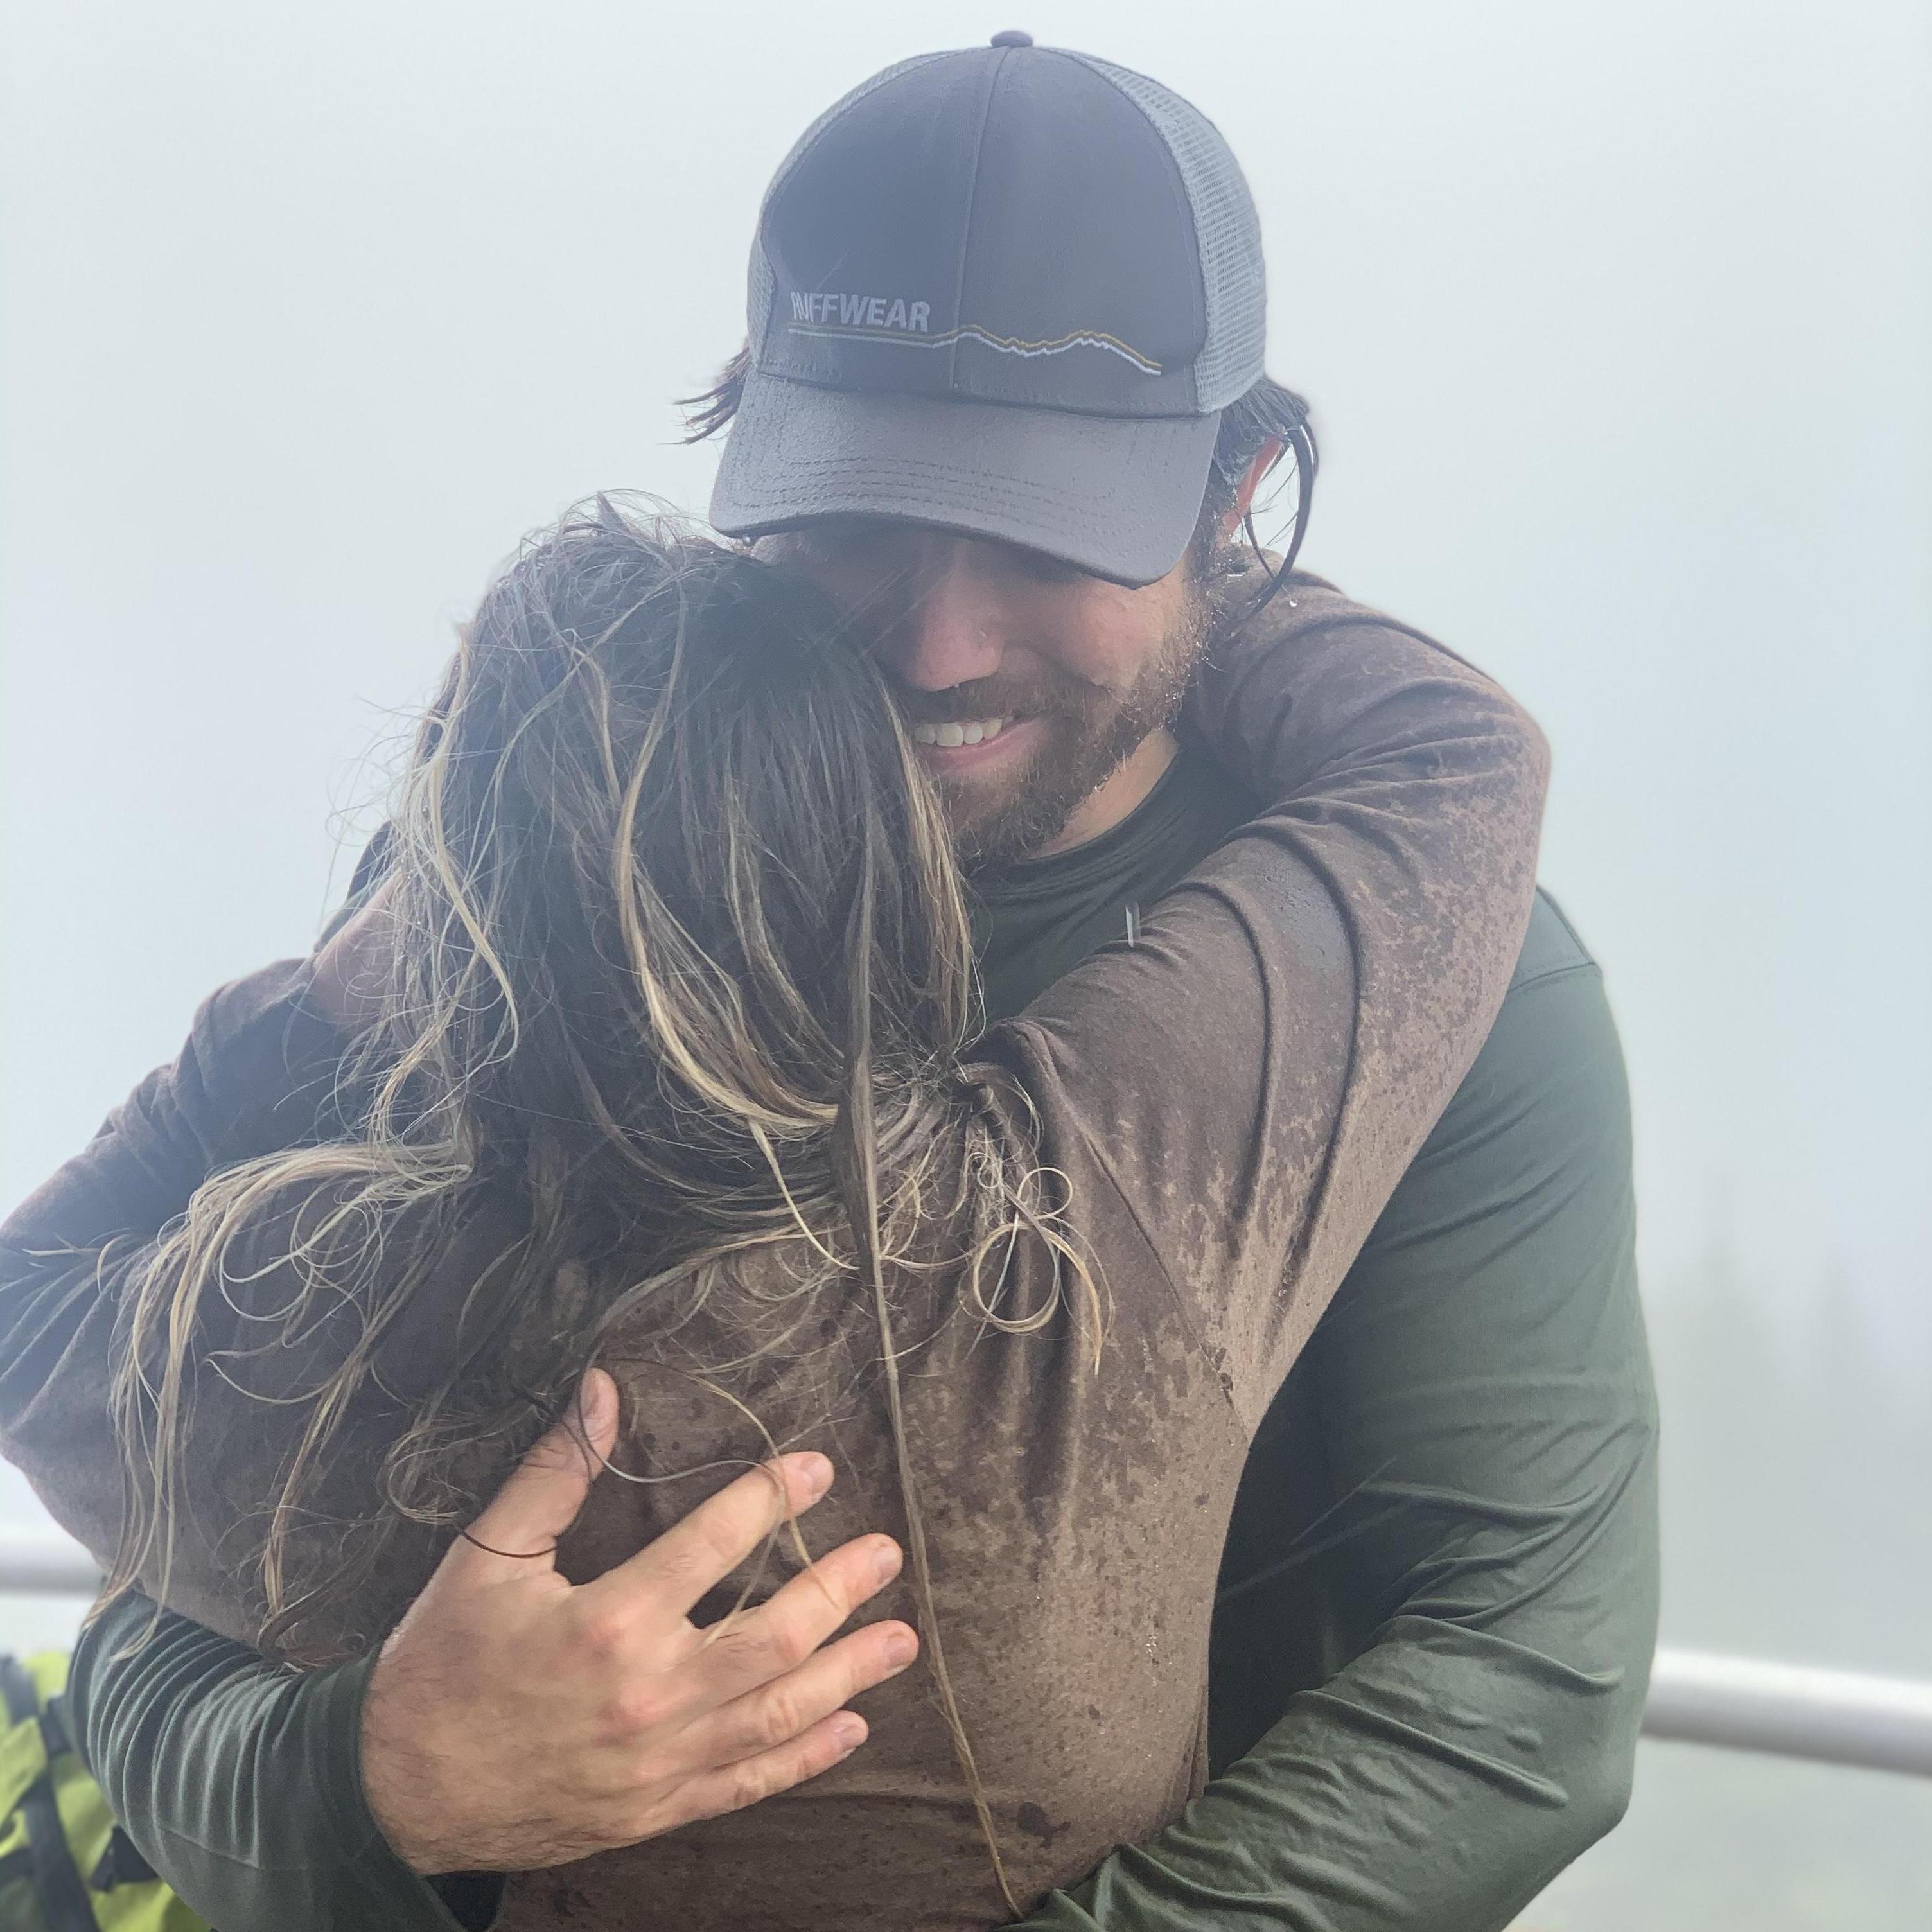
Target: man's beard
{"x": 1090, "y": 733}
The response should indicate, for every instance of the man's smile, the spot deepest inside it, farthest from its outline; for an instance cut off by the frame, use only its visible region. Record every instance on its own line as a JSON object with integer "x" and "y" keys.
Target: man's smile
{"x": 976, "y": 746}
{"x": 961, "y": 731}
{"x": 980, "y": 745}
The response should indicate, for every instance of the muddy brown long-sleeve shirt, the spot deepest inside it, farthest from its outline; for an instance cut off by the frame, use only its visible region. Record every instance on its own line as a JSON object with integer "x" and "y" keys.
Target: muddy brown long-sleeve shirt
{"x": 1232, "y": 1100}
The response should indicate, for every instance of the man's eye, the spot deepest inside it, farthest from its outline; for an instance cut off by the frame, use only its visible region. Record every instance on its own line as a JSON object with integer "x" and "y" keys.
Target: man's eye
{"x": 853, "y": 544}
{"x": 844, "y": 532}
{"x": 1045, "y": 569}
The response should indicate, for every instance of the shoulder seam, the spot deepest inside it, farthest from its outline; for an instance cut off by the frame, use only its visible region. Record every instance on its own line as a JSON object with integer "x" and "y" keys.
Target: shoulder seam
{"x": 1586, "y": 965}
{"x": 1563, "y": 920}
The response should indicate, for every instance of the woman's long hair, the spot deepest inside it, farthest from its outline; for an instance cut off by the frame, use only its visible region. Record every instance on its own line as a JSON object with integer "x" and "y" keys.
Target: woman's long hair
{"x": 683, "y": 972}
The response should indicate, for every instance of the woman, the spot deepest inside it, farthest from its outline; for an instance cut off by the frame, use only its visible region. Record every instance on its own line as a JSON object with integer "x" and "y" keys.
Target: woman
{"x": 667, "y": 1068}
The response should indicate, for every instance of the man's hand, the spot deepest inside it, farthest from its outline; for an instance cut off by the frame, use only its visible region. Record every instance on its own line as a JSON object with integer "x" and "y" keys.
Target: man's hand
{"x": 514, "y": 1721}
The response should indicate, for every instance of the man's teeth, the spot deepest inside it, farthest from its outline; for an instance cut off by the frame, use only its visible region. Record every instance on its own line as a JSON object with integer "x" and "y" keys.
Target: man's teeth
{"x": 973, "y": 731}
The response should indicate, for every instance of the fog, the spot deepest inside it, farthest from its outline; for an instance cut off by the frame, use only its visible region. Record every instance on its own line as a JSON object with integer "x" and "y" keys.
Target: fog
{"x": 1614, "y": 319}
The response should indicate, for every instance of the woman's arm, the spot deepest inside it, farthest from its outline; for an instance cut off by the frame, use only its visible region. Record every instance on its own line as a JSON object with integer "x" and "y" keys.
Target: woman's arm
{"x": 1455, "y": 1492}
{"x": 200, "y": 1743}
{"x": 256, "y": 1073}
{"x": 1235, "y": 1095}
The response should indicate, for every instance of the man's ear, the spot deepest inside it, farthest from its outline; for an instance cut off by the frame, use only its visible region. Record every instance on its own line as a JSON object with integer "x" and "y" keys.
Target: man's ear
{"x": 1266, "y": 457}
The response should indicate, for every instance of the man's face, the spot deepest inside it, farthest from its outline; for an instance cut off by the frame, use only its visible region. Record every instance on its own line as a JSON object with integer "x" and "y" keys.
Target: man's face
{"x": 1036, "y": 693}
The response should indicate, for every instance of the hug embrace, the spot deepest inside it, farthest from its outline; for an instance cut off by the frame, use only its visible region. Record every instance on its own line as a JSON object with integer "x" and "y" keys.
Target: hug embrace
{"x": 958, "y": 1097}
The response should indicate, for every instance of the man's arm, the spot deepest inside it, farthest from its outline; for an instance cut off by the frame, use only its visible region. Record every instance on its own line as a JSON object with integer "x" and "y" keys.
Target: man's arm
{"x": 240, "y": 1781}
{"x": 518, "y": 1719}
{"x": 1445, "y": 1566}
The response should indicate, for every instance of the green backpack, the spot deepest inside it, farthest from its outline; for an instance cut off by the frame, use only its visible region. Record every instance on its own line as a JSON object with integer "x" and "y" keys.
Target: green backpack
{"x": 65, "y": 1866}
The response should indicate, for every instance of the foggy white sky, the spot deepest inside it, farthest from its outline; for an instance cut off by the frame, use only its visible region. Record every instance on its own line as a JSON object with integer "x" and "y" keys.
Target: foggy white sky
{"x": 1615, "y": 319}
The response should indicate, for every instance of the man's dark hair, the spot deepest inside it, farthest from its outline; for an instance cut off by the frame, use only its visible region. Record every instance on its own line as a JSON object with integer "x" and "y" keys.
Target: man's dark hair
{"x": 1269, "y": 413}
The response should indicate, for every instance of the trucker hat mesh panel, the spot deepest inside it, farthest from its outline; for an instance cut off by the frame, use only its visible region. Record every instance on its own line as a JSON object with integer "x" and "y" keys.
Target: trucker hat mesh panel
{"x": 1227, "y": 233}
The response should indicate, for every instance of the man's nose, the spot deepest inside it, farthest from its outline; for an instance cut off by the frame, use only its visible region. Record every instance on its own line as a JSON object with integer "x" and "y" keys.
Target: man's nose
{"x": 953, "y": 629}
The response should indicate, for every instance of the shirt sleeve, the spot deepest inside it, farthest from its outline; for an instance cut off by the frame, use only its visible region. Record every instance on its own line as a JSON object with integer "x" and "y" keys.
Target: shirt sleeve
{"x": 241, "y": 1782}
{"x": 256, "y": 1073}
{"x": 1478, "y": 1546}
{"x": 1232, "y": 1098}
{"x": 1362, "y": 931}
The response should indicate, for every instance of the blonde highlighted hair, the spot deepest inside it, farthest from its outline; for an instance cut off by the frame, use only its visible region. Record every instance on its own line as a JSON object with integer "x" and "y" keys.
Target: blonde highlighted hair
{"x": 682, "y": 973}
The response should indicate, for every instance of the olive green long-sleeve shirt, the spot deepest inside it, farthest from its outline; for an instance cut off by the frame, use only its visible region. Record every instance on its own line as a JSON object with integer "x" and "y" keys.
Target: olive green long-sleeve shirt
{"x": 1439, "y": 1590}
{"x": 1439, "y": 1596}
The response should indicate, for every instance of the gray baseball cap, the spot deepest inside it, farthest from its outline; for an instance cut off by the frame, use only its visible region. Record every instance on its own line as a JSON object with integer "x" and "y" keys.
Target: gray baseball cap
{"x": 1007, "y": 291}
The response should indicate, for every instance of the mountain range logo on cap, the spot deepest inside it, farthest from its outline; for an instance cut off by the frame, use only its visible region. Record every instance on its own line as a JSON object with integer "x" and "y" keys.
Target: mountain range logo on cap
{"x": 867, "y": 318}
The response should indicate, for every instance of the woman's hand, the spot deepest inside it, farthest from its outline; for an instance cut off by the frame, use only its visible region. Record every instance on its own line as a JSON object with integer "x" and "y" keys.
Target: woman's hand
{"x": 514, "y": 1721}
{"x": 351, "y": 971}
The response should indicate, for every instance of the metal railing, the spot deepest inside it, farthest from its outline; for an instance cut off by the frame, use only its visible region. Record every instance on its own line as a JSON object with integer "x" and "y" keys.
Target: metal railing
{"x": 40, "y": 1565}
{"x": 1831, "y": 1717}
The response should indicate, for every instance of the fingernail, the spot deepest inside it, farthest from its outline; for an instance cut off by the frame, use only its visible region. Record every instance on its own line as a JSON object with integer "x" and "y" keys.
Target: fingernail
{"x": 596, "y": 1399}
{"x": 886, "y": 1560}
{"x": 849, "y": 1729}
{"x": 815, "y": 1472}
{"x": 902, "y": 1647}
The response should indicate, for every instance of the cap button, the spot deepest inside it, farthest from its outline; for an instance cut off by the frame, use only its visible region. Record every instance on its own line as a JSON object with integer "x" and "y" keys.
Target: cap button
{"x": 1013, "y": 37}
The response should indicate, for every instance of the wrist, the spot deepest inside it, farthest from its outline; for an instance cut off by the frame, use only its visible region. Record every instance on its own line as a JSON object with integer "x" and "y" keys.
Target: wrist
{"x": 393, "y": 1774}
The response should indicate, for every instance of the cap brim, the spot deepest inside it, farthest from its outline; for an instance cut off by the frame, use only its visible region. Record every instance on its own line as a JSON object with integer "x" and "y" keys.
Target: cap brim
{"x": 1118, "y": 497}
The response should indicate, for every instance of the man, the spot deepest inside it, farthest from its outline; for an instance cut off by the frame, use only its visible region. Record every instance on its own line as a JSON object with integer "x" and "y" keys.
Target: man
{"x": 1004, "y": 397}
